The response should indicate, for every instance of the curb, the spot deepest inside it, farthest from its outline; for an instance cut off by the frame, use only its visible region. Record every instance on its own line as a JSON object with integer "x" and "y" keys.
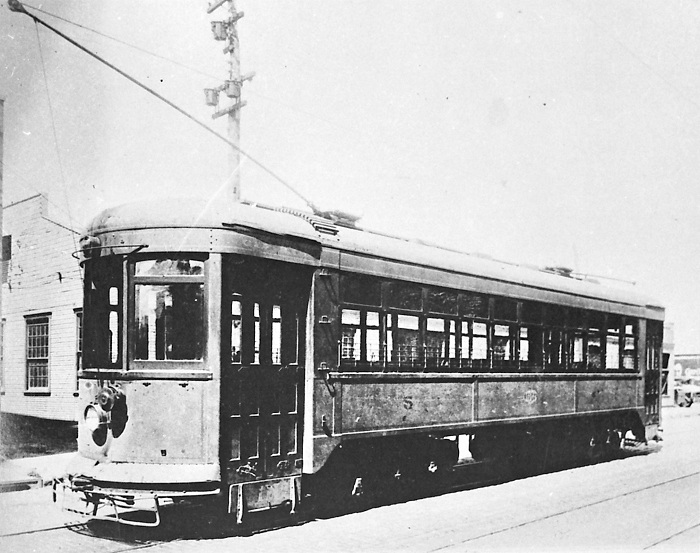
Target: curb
{"x": 20, "y": 484}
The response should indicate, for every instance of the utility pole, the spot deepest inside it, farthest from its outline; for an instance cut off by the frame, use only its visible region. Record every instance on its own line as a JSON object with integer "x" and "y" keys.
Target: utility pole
{"x": 226, "y": 30}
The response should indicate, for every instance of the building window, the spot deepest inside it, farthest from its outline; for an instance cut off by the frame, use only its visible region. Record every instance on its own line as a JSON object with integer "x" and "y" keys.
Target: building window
{"x": 78, "y": 344}
{"x": 6, "y": 256}
{"x": 38, "y": 354}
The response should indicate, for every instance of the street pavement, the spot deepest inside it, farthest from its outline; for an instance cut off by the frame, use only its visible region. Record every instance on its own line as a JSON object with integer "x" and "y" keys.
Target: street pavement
{"x": 31, "y": 472}
{"x": 645, "y": 502}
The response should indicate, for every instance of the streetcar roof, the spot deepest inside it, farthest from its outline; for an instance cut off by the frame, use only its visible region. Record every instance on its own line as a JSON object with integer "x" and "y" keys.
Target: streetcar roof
{"x": 363, "y": 244}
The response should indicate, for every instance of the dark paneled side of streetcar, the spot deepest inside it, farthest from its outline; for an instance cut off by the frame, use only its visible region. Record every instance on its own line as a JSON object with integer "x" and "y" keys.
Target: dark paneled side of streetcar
{"x": 405, "y": 367}
{"x": 255, "y": 358}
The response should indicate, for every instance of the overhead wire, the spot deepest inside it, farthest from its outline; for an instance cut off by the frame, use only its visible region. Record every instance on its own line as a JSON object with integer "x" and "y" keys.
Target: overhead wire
{"x": 179, "y": 64}
{"x": 33, "y": 188}
{"x": 190, "y": 68}
{"x": 17, "y": 6}
{"x": 55, "y": 134}
{"x": 122, "y": 42}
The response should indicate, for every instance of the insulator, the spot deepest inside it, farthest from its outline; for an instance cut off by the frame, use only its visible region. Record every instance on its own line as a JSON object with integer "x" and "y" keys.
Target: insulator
{"x": 212, "y": 96}
{"x": 219, "y": 30}
{"x": 233, "y": 89}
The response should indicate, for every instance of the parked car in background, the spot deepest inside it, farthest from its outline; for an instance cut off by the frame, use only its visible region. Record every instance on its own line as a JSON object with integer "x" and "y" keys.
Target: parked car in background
{"x": 687, "y": 391}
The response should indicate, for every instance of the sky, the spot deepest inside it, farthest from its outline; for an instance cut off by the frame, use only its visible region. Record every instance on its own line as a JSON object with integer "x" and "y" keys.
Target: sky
{"x": 539, "y": 132}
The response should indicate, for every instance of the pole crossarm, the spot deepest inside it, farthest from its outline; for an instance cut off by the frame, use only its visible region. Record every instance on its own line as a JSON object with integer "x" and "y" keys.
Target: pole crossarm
{"x": 228, "y": 110}
{"x": 216, "y": 5}
{"x": 16, "y": 6}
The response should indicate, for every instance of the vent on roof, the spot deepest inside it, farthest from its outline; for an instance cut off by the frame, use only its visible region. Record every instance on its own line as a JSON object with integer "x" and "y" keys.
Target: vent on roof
{"x": 323, "y": 226}
{"x": 340, "y": 218}
{"x": 561, "y": 271}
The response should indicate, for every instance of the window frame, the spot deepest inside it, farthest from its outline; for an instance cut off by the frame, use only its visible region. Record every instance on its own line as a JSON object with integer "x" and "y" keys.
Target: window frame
{"x": 78, "y": 346}
{"x": 102, "y": 275}
{"x": 134, "y": 280}
{"x": 34, "y": 321}
{"x": 557, "y": 337}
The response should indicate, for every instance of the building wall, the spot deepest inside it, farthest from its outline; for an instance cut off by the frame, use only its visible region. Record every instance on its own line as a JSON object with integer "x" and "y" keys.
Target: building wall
{"x": 42, "y": 277}
{"x": 687, "y": 365}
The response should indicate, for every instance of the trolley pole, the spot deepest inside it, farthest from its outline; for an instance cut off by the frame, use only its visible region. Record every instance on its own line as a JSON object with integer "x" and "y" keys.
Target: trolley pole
{"x": 227, "y": 30}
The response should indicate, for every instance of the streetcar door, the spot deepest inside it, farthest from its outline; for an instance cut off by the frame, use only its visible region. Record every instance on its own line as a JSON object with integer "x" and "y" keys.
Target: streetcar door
{"x": 264, "y": 316}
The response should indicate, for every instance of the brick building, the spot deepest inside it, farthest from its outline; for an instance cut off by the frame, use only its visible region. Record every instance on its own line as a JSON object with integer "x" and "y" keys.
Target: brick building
{"x": 41, "y": 304}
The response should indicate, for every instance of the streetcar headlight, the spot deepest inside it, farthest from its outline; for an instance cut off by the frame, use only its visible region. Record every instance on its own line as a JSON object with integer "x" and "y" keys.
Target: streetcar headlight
{"x": 96, "y": 422}
{"x": 92, "y": 418}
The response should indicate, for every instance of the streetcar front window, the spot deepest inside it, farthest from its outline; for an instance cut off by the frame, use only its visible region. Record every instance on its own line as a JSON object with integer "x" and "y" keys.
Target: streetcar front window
{"x": 169, "y": 309}
{"x": 102, "y": 336}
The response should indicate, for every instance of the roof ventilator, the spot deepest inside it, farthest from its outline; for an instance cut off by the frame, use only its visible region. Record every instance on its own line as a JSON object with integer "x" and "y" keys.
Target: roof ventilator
{"x": 324, "y": 227}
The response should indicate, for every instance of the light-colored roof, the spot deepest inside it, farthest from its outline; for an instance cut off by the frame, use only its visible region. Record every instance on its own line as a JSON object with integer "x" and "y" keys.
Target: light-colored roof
{"x": 195, "y": 213}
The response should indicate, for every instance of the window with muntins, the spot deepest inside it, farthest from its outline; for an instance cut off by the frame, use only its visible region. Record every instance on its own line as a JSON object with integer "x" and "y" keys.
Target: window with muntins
{"x": 37, "y": 354}
{"x": 423, "y": 328}
{"x": 78, "y": 344}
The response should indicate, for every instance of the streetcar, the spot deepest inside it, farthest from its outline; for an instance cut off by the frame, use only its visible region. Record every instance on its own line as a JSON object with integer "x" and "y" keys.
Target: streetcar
{"x": 247, "y": 356}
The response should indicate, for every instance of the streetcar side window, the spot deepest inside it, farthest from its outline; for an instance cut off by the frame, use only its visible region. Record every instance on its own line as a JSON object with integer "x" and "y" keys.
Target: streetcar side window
{"x": 169, "y": 318}
{"x": 360, "y": 341}
{"x": 442, "y": 301}
{"x": 361, "y": 289}
{"x": 593, "y": 351}
{"x": 102, "y": 334}
{"x": 236, "y": 337}
{"x": 504, "y": 344}
{"x": 612, "y": 345}
{"x": 405, "y": 296}
{"x": 505, "y": 309}
{"x": 474, "y": 305}
{"x": 465, "y": 344}
{"x": 416, "y": 327}
{"x": 577, "y": 353}
{"x": 352, "y": 338}
{"x": 169, "y": 321}
{"x": 480, "y": 343}
{"x": 436, "y": 342}
{"x": 629, "y": 351}
{"x": 505, "y": 336}
{"x": 406, "y": 341}
{"x": 276, "y": 335}
{"x": 372, "y": 342}
{"x": 256, "y": 333}
{"x": 531, "y": 355}
{"x": 474, "y": 345}
{"x": 554, "y": 349}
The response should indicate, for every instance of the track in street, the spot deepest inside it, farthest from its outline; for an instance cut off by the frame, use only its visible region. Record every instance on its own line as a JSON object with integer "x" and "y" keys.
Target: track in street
{"x": 442, "y": 521}
{"x": 587, "y": 506}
